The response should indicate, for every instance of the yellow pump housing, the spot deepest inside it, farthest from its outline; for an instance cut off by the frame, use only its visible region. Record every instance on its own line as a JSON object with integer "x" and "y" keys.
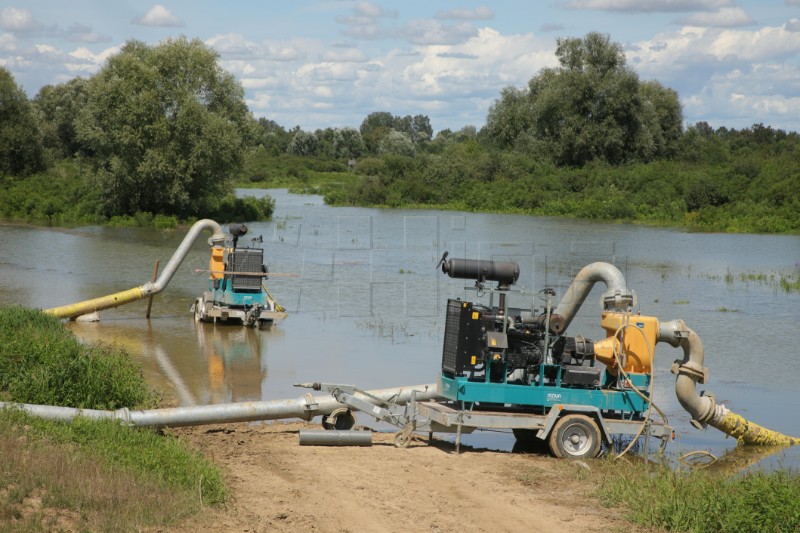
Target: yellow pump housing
{"x": 217, "y": 263}
{"x": 632, "y": 337}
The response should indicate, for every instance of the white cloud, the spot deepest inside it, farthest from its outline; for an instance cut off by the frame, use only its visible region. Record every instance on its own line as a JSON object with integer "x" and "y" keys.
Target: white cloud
{"x": 235, "y": 46}
{"x": 19, "y": 20}
{"x": 159, "y": 16}
{"x": 726, "y": 17}
{"x": 427, "y": 32}
{"x": 370, "y": 10}
{"x": 479, "y": 13}
{"x": 793, "y": 25}
{"x": 648, "y": 6}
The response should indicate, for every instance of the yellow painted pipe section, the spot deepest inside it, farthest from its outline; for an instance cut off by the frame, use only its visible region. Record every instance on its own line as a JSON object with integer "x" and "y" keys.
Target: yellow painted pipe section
{"x": 747, "y": 432}
{"x": 97, "y": 304}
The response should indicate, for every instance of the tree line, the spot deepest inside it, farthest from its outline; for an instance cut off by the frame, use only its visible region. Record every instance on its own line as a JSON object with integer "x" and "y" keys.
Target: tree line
{"x": 164, "y": 130}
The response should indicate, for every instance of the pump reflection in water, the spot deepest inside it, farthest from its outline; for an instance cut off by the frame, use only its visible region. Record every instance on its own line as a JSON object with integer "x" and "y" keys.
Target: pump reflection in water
{"x": 236, "y": 365}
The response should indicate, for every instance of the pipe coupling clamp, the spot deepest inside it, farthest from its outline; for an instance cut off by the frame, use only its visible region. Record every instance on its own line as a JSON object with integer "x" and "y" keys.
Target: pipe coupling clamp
{"x": 692, "y": 370}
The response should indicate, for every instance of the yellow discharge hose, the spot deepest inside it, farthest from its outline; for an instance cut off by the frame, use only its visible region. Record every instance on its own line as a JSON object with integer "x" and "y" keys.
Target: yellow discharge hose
{"x": 747, "y": 432}
{"x": 704, "y": 409}
{"x": 131, "y": 295}
{"x": 97, "y": 304}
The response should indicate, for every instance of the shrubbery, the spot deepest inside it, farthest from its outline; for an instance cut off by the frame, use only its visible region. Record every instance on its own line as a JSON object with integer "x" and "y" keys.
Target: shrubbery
{"x": 42, "y": 362}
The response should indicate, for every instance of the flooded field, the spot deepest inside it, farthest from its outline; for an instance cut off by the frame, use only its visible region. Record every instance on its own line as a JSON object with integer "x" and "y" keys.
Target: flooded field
{"x": 368, "y": 305}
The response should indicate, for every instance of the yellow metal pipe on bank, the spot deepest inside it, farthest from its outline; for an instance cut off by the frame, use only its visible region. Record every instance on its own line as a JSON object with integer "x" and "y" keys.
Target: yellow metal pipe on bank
{"x": 149, "y": 288}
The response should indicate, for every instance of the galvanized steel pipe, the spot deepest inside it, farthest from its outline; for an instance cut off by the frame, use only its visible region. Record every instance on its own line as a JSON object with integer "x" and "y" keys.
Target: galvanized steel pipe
{"x": 149, "y": 288}
{"x": 618, "y": 297}
{"x": 322, "y": 437}
{"x": 306, "y": 408}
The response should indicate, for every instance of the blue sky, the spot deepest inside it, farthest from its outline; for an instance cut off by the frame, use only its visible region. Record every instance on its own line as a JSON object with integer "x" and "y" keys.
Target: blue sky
{"x": 320, "y": 63}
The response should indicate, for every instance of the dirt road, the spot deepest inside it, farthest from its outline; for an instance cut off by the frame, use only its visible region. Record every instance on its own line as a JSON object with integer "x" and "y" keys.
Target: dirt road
{"x": 279, "y": 485}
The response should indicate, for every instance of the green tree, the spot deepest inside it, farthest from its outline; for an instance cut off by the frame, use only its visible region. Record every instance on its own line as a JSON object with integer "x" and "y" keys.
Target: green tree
{"x": 20, "y": 139}
{"x": 271, "y": 135}
{"x": 591, "y": 107}
{"x": 347, "y": 143}
{"x": 396, "y": 143}
{"x": 375, "y": 127}
{"x": 167, "y": 125}
{"x": 304, "y": 143}
{"x": 59, "y": 107}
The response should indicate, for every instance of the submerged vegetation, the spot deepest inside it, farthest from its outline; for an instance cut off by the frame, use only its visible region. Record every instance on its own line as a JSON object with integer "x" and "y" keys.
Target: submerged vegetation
{"x": 87, "y": 475}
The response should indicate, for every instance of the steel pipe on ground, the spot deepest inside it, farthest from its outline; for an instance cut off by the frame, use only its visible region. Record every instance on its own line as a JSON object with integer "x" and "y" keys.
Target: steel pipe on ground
{"x": 322, "y": 437}
{"x": 306, "y": 408}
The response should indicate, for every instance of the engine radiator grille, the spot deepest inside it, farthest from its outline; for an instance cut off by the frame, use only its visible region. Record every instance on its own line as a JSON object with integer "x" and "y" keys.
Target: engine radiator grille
{"x": 247, "y": 260}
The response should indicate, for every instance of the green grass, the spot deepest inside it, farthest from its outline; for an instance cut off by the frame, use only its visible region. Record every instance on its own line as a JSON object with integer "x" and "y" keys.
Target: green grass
{"x": 701, "y": 501}
{"x": 86, "y": 475}
{"x": 42, "y": 362}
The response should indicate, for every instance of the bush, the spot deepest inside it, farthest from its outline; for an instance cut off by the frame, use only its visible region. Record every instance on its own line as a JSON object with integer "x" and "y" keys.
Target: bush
{"x": 247, "y": 209}
{"x": 42, "y": 362}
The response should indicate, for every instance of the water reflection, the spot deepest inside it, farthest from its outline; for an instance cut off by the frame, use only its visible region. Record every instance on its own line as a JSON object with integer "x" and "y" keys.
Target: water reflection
{"x": 220, "y": 364}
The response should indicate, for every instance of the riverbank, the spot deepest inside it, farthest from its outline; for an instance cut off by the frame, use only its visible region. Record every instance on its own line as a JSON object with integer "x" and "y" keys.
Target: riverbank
{"x": 278, "y": 485}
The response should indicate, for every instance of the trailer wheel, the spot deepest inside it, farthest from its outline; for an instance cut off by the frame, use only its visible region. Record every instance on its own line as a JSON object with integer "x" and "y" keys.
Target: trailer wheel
{"x": 575, "y": 437}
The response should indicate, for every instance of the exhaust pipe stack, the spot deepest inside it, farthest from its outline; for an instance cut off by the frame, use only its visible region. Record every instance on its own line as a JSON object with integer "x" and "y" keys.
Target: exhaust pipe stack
{"x": 143, "y": 291}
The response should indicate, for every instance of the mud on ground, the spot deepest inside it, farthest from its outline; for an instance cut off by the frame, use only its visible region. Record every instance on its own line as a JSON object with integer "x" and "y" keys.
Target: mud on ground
{"x": 278, "y": 485}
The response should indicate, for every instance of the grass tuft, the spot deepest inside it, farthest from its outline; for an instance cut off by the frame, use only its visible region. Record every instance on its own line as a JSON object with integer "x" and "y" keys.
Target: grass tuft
{"x": 702, "y": 501}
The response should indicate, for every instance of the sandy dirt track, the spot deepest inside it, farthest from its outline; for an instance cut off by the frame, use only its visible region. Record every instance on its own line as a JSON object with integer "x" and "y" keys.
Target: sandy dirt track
{"x": 278, "y": 485}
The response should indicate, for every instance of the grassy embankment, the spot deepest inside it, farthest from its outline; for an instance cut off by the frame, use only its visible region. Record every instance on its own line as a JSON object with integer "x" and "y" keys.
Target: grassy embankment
{"x": 88, "y": 475}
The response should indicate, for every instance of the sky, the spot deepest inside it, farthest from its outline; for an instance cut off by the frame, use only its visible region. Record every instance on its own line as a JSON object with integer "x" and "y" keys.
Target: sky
{"x": 329, "y": 63}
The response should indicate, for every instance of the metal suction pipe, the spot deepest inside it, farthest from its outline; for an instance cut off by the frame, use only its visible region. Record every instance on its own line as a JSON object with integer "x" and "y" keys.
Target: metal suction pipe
{"x": 703, "y": 408}
{"x": 137, "y": 293}
{"x": 617, "y": 297}
{"x": 306, "y": 408}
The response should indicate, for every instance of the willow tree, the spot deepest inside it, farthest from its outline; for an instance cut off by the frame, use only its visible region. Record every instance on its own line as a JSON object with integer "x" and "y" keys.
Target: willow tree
{"x": 20, "y": 139}
{"x": 166, "y": 124}
{"x": 591, "y": 107}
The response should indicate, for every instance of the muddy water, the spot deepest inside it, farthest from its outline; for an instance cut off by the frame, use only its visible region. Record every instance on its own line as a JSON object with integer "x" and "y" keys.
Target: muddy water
{"x": 367, "y": 305}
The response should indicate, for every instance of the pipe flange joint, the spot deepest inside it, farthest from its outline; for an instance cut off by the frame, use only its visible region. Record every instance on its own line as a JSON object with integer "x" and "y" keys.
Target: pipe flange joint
{"x": 692, "y": 370}
{"x": 123, "y": 415}
{"x": 710, "y": 412}
{"x": 310, "y": 406}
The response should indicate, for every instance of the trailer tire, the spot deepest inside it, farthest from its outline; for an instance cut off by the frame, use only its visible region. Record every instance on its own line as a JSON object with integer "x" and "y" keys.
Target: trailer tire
{"x": 575, "y": 437}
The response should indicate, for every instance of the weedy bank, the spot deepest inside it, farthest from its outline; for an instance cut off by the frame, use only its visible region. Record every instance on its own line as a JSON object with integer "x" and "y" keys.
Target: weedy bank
{"x": 95, "y": 475}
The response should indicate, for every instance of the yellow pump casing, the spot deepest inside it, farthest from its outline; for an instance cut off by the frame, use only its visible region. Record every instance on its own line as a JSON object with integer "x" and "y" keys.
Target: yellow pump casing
{"x": 217, "y": 262}
{"x": 635, "y": 349}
